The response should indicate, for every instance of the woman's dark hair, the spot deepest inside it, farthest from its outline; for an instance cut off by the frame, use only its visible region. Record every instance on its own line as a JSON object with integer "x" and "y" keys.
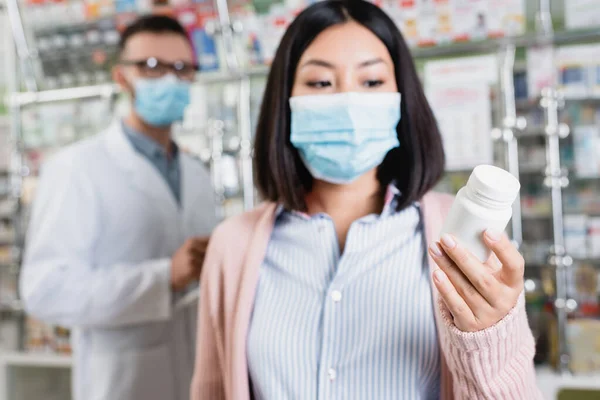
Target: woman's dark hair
{"x": 416, "y": 166}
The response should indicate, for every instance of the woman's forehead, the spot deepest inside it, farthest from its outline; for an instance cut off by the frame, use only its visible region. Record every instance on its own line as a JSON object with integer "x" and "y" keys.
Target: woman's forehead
{"x": 348, "y": 43}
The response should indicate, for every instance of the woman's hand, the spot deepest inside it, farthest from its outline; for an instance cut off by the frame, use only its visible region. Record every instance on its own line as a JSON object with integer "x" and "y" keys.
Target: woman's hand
{"x": 478, "y": 294}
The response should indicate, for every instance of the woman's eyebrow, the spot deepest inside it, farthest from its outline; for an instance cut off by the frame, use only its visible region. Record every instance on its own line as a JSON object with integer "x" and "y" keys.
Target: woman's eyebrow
{"x": 370, "y": 62}
{"x": 326, "y": 64}
{"x": 318, "y": 63}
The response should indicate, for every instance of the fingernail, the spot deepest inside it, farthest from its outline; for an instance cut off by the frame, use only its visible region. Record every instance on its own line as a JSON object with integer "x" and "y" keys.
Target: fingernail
{"x": 435, "y": 249}
{"x": 448, "y": 241}
{"x": 493, "y": 235}
{"x": 439, "y": 275}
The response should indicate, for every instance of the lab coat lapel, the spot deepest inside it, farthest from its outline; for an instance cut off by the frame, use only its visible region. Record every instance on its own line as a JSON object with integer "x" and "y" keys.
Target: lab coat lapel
{"x": 142, "y": 173}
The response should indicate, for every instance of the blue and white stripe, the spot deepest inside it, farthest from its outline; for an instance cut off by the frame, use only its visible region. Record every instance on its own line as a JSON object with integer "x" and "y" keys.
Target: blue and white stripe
{"x": 354, "y": 326}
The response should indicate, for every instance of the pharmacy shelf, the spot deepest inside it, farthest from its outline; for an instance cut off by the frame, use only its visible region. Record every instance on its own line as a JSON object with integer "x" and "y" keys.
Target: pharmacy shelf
{"x": 532, "y": 132}
{"x": 588, "y": 260}
{"x": 531, "y": 169}
{"x": 551, "y": 383}
{"x": 583, "y": 99}
{"x": 491, "y": 46}
{"x": 109, "y": 90}
{"x": 49, "y": 96}
{"x": 536, "y": 216}
{"x": 35, "y": 360}
{"x": 536, "y": 262}
{"x": 465, "y": 170}
{"x": 528, "y": 104}
{"x": 225, "y": 77}
{"x": 10, "y": 310}
{"x": 583, "y": 178}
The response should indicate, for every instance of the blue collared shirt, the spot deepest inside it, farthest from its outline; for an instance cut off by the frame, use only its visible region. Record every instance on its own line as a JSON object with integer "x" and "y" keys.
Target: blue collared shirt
{"x": 357, "y": 325}
{"x": 167, "y": 166}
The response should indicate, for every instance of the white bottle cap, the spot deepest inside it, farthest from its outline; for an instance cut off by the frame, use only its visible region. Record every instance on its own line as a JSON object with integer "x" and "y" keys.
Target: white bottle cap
{"x": 493, "y": 184}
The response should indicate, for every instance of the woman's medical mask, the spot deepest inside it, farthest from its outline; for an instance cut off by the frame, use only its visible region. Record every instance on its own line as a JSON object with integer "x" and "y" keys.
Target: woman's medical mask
{"x": 342, "y": 136}
{"x": 161, "y": 101}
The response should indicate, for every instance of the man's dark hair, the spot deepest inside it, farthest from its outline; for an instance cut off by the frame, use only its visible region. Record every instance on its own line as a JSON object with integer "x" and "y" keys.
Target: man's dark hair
{"x": 415, "y": 166}
{"x": 152, "y": 24}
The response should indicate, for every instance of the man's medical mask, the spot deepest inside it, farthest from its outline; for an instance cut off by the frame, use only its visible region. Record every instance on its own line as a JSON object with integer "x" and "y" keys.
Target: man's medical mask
{"x": 161, "y": 101}
{"x": 342, "y": 136}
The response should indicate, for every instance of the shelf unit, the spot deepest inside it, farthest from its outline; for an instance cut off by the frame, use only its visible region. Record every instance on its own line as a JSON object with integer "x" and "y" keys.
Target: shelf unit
{"x": 510, "y": 130}
{"x": 23, "y": 364}
{"x": 20, "y": 359}
{"x": 215, "y": 131}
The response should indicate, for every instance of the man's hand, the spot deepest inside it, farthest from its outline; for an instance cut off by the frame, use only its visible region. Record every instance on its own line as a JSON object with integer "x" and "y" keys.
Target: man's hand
{"x": 187, "y": 261}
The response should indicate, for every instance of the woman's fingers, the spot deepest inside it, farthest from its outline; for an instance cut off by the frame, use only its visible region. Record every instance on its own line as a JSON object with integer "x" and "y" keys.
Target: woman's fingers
{"x": 476, "y": 302}
{"x": 463, "y": 316}
{"x": 476, "y": 272}
{"x": 513, "y": 264}
{"x": 478, "y": 295}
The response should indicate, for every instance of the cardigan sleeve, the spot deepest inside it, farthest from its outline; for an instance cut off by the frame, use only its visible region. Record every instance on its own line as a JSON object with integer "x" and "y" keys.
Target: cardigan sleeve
{"x": 495, "y": 363}
{"x": 208, "y": 379}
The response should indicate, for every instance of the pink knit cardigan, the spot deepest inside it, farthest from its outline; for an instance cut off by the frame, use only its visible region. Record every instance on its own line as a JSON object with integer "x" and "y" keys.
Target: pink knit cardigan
{"x": 495, "y": 363}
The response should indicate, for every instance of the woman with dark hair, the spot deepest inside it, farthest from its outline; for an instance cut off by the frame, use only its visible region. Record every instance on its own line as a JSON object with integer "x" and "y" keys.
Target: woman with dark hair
{"x": 325, "y": 290}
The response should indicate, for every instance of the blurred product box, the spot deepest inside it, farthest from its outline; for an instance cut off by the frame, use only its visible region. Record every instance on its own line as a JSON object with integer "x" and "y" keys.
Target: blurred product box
{"x": 594, "y": 237}
{"x": 576, "y": 235}
{"x": 583, "y": 337}
{"x": 586, "y": 141}
{"x": 578, "y": 70}
{"x": 43, "y": 338}
{"x": 580, "y": 14}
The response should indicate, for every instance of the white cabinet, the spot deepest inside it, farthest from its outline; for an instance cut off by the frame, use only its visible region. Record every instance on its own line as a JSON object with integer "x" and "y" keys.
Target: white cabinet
{"x": 34, "y": 377}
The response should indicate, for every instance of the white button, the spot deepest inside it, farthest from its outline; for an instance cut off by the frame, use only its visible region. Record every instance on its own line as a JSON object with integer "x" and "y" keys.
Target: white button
{"x": 336, "y": 295}
{"x": 331, "y": 374}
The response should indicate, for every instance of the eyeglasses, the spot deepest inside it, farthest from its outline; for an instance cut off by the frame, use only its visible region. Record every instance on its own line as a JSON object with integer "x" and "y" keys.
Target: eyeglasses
{"x": 154, "y": 68}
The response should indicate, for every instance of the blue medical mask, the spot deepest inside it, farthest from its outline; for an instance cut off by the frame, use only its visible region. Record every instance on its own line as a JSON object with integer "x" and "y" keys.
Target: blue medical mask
{"x": 161, "y": 101}
{"x": 342, "y": 136}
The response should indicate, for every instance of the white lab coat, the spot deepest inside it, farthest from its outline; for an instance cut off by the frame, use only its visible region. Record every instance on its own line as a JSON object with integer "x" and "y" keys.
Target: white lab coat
{"x": 104, "y": 226}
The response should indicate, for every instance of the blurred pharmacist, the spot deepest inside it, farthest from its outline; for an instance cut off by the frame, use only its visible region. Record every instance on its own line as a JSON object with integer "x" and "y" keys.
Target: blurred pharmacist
{"x": 119, "y": 230}
{"x": 328, "y": 293}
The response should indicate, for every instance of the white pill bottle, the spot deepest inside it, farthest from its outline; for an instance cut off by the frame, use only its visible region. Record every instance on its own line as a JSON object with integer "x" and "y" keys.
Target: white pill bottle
{"x": 484, "y": 203}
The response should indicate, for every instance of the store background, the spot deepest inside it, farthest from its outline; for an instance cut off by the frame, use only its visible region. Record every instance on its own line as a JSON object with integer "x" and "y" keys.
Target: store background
{"x": 500, "y": 55}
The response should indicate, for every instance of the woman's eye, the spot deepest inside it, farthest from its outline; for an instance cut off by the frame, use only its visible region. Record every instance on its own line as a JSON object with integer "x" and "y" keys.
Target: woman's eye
{"x": 319, "y": 84}
{"x": 373, "y": 83}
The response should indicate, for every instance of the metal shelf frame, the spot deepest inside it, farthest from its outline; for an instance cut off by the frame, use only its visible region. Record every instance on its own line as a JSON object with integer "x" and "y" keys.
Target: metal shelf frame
{"x": 494, "y": 45}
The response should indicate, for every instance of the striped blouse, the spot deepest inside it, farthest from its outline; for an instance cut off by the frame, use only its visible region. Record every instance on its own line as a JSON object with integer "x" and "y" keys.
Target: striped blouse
{"x": 357, "y": 325}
